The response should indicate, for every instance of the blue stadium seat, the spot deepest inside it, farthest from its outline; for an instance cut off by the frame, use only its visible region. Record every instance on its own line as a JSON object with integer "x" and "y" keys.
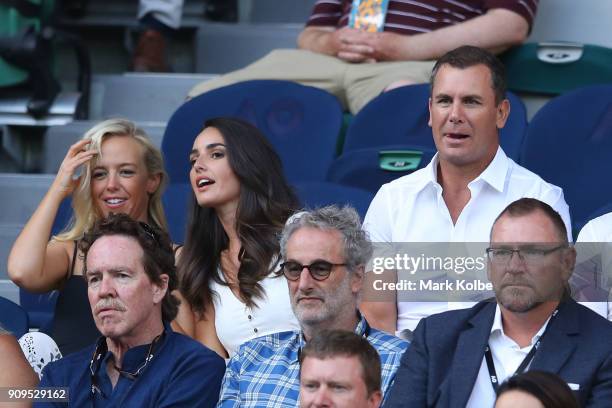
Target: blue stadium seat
{"x": 64, "y": 213}
{"x": 40, "y": 308}
{"x": 607, "y": 208}
{"x": 13, "y": 318}
{"x": 302, "y": 123}
{"x": 369, "y": 168}
{"x": 318, "y": 194}
{"x": 176, "y": 201}
{"x": 400, "y": 116}
{"x": 569, "y": 143}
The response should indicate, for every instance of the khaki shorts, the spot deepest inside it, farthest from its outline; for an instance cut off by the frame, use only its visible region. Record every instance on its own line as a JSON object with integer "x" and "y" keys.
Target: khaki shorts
{"x": 353, "y": 84}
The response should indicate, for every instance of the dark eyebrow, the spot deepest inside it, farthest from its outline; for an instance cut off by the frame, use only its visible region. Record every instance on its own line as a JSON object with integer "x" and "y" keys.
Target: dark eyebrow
{"x": 213, "y": 145}
{"x": 474, "y": 97}
{"x": 208, "y": 147}
{"x": 441, "y": 96}
{"x": 339, "y": 383}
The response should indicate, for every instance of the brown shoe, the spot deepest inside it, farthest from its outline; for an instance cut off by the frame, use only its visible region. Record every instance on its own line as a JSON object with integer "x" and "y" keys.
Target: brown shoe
{"x": 150, "y": 53}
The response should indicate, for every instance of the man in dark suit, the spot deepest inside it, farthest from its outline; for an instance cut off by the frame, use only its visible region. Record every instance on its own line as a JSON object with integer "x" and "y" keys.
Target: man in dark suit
{"x": 458, "y": 358}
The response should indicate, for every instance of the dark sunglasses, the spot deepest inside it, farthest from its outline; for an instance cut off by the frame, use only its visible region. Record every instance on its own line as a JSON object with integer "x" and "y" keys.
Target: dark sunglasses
{"x": 319, "y": 270}
{"x": 150, "y": 231}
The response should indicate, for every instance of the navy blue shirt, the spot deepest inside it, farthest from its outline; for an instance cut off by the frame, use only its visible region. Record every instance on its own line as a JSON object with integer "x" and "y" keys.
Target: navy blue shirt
{"x": 181, "y": 373}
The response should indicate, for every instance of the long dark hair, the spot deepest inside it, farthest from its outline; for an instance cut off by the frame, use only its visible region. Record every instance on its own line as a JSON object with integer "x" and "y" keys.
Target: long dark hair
{"x": 265, "y": 203}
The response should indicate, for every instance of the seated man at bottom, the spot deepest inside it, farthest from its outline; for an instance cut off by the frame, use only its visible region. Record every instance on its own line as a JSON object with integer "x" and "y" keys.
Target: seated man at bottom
{"x": 458, "y": 358}
{"x": 139, "y": 361}
{"x": 325, "y": 252}
{"x": 339, "y": 369}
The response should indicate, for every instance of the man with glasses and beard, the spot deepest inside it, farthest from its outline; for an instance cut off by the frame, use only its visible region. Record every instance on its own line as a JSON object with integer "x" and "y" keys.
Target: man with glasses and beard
{"x": 458, "y": 358}
{"x": 325, "y": 252}
{"x": 139, "y": 361}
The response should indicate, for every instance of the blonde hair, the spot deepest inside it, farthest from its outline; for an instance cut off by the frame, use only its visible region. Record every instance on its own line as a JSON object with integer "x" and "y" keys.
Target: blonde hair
{"x": 84, "y": 213}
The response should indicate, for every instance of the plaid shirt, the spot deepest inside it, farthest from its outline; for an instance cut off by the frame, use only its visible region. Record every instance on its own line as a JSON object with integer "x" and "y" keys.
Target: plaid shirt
{"x": 265, "y": 371}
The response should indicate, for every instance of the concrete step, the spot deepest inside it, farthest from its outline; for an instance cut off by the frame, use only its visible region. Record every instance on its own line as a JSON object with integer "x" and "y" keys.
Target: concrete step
{"x": 21, "y": 195}
{"x": 140, "y": 97}
{"x": 221, "y": 47}
{"x": 58, "y": 139}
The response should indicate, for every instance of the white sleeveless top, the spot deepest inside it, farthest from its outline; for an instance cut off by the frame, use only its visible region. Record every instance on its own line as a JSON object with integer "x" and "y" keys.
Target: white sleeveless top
{"x": 237, "y": 323}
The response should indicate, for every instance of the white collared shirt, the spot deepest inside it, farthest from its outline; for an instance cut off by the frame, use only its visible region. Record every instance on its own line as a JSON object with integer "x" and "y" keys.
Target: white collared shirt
{"x": 593, "y": 246}
{"x": 411, "y": 209}
{"x": 507, "y": 357}
{"x": 597, "y": 230}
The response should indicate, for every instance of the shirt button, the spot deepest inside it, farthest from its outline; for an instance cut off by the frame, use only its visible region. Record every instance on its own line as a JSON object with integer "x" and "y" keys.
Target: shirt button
{"x": 255, "y": 330}
{"x": 250, "y": 317}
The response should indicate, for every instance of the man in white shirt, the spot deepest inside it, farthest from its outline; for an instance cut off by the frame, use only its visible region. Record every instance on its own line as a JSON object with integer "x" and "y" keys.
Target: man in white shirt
{"x": 458, "y": 358}
{"x": 593, "y": 276}
{"x": 468, "y": 182}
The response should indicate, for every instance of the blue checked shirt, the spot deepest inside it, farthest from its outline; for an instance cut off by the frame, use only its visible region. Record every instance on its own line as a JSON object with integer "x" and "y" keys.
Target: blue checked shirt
{"x": 265, "y": 371}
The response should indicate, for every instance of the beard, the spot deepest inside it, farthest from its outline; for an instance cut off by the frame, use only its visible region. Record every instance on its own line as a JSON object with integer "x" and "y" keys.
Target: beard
{"x": 329, "y": 304}
{"x": 518, "y": 299}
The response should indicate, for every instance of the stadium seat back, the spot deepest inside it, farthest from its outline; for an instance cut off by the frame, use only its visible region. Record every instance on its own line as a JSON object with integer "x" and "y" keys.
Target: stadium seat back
{"x": 13, "y": 318}
{"x": 369, "y": 168}
{"x": 400, "y": 116}
{"x": 607, "y": 208}
{"x": 301, "y": 122}
{"x": 569, "y": 143}
{"x": 177, "y": 201}
{"x": 552, "y": 68}
{"x": 319, "y": 194}
{"x": 40, "y": 308}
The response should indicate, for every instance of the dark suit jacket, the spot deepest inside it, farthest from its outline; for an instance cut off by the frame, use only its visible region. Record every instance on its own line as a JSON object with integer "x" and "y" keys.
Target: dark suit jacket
{"x": 440, "y": 367}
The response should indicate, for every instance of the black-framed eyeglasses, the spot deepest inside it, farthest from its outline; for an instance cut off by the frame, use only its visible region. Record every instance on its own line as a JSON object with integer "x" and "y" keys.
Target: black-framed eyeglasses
{"x": 528, "y": 254}
{"x": 319, "y": 270}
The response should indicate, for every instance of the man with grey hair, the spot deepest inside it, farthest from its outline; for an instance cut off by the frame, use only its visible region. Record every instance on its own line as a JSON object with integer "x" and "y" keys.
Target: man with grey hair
{"x": 324, "y": 253}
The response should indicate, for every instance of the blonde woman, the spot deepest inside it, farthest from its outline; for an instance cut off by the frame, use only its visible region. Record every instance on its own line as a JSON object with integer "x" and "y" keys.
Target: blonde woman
{"x": 122, "y": 172}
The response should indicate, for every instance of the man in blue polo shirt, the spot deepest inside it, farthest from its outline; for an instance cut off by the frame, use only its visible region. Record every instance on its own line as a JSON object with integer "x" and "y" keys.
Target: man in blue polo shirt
{"x": 324, "y": 253}
{"x": 140, "y": 361}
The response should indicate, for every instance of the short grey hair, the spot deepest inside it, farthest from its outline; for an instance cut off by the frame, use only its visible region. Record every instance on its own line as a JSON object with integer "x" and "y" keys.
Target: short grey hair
{"x": 345, "y": 220}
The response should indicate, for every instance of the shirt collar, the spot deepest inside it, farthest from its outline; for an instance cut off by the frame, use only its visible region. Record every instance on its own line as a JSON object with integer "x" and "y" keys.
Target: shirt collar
{"x": 494, "y": 174}
{"x": 134, "y": 357}
{"x": 362, "y": 329}
{"x": 431, "y": 171}
{"x": 498, "y": 328}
